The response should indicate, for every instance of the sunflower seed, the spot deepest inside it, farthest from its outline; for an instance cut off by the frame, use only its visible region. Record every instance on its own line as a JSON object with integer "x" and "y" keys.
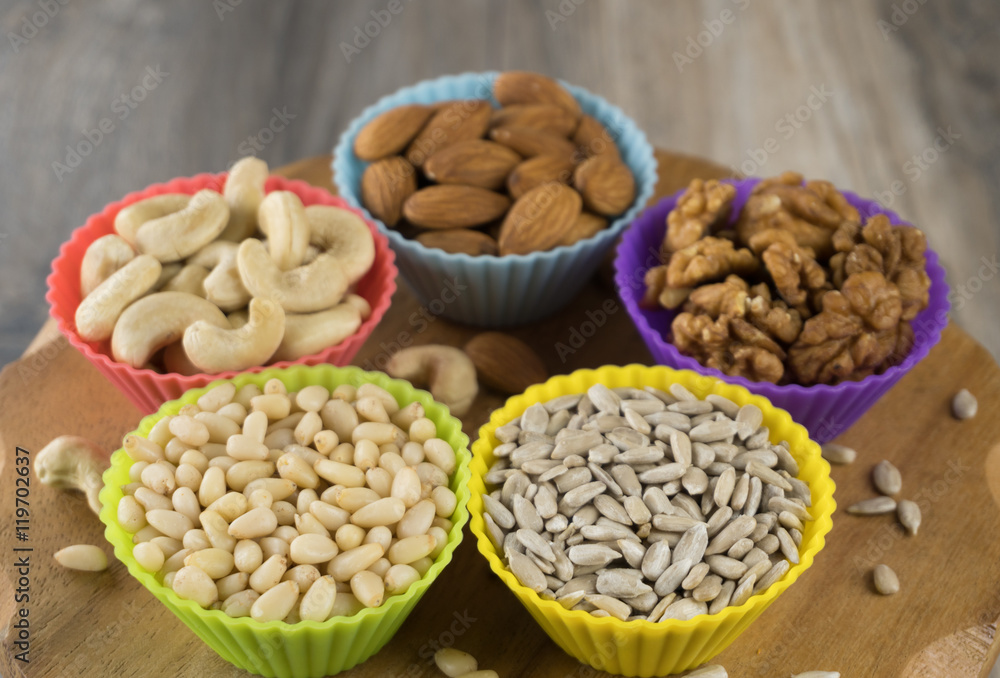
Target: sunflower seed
{"x": 603, "y": 476}
{"x": 684, "y": 609}
{"x": 909, "y": 515}
{"x": 758, "y": 570}
{"x": 785, "y": 459}
{"x": 760, "y": 438}
{"x": 571, "y": 599}
{"x": 768, "y": 544}
{"x": 694, "y": 480}
{"x": 516, "y": 484}
{"x": 695, "y": 576}
{"x": 498, "y": 512}
{"x": 768, "y": 475}
{"x": 586, "y": 583}
{"x": 622, "y": 583}
{"x": 708, "y": 589}
{"x": 875, "y": 506}
{"x": 529, "y": 452}
{"x": 711, "y": 431}
{"x": 789, "y": 521}
{"x": 781, "y": 504}
{"x": 578, "y": 443}
{"x": 964, "y": 405}
{"x": 587, "y": 515}
{"x": 566, "y": 402}
{"x": 640, "y": 455}
{"x": 753, "y": 497}
{"x": 526, "y": 571}
{"x": 592, "y": 554}
{"x": 657, "y": 611}
{"x": 604, "y": 399}
{"x": 612, "y": 606}
{"x": 725, "y": 487}
{"x": 886, "y": 581}
{"x": 573, "y": 478}
{"x": 721, "y": 601}
{"x": 496, "y": 534}
{"x": 536, "y": 544}
{"x": 636, "y": 421}
{"x": 756, "y": 555}
{"x": 643, "y": 406}
{"x": 787, "y": 545}
{"x": 672, "y": 577}
{"x": 634, "y": 553}
{"x": 739, "y": 528}
{"x": 690, "y": 407}
{"x": 740, "y": 548}
{"x": 839, "y": 454}
{"x": 507, "y": 433}
{"x": 612, "y": 509}
{"x": 743, "y": 591}
{"x": 777, "y": 571}
{"x": 887, "y": 478}
{"x": 581, "y": 495}
{"x": 610, "y": 531}
{"x": 748, "y": 420}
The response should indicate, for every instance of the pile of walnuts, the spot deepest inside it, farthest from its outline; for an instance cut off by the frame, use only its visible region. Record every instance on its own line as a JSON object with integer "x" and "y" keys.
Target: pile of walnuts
{"x": 795, "y": 289}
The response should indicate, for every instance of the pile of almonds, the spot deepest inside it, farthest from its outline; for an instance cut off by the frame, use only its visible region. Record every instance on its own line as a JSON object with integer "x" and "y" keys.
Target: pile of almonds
{"x": 463, "y": 176}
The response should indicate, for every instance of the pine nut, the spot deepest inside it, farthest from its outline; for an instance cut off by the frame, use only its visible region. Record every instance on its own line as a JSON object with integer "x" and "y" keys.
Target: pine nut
{"x": 280, "y": 488}
{"x": 268, "y": 574}
{"x": 216, "y": 397}
{"x": 445, "y": 501}
{"x": 399, "y": 578}
{"x": 337, "y": 473}
{"x": 239, "y": 604}
{"x": 317, "y": 604}
{"x": 381, "y": 512}
{"x": 216, "y": 563}
{"x": 304, "y": 575}
{"x": 346, "y": 564}
{"x": 159, "y": 478}
{"x": 149, "y": 556}
{"x": 275, "y": 603}
{"x": 349, "y": 536}
{"x": 406, "y": 486}
{"x": 454, "y": 663}
{"x": 232, "y": 584}
{"x": 83, "y": 557}
{"x": 131, "y": 515}
{"x": 141, "y": 449}
{"x": 247, "y": 556}
{"x": 310, "y": 549}
{"x": 170, "y": 523}
{"x": 191, "y": 583}
{"x": 368, "y": 588}
{"x": 410, "y": 549}
{"x": 417, "y": 520}
{"x": 258, "y": 522}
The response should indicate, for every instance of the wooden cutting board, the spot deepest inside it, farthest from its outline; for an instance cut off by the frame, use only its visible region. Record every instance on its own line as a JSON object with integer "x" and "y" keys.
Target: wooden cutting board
{"x": 942, "y": 623}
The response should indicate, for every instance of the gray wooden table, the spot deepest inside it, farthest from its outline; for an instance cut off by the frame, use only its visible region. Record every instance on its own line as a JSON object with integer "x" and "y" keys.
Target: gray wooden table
{"x": 896, "y": 100}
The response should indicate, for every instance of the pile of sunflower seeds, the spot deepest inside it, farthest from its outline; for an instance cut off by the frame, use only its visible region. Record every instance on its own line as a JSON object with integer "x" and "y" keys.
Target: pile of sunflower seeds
{"x": 642, "y": 504}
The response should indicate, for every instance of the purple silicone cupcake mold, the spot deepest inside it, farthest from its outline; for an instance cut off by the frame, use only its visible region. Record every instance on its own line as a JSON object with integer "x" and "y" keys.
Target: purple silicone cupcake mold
{"x": 826, "y": 411}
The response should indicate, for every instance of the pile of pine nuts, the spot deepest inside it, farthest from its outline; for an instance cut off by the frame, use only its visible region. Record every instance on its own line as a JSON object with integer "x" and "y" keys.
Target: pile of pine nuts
{"x": 642, "y": 504}
{"x": 289, "y": 506}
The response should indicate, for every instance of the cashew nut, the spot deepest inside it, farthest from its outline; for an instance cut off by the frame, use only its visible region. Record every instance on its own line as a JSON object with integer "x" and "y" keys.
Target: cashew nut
{"x": 241, "y": 317}
{"x": 244, "y": 192}
{"x": 343, "y": 235}
{"x": 129, "y": 219}
{"x": 103, "y": 257}
{"x": 99, "y": 311}
{"x": 166, "y": 275}
{"x": 360, "y": 303}
{"x": 310, "y": 333}
{"x": 159, "y": 319}
{"x": 190, "y": 279}
{"x": 177, "y": 361}
{"x": 311, "y": 253}
{"x": 73, "y": 463}
{"x": 305, "y": 289}
{"x": 214, "y": 349}
{"x": 182, "y": 233}
{"x": 223, "y": 286}
{"x": 447, "y": 371}
{"x": 283, "y": 219}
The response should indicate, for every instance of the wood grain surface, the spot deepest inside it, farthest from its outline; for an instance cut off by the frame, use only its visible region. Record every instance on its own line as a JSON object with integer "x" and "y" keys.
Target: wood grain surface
{"x": 224, "y": 68}
{"x": 941, "y": 625}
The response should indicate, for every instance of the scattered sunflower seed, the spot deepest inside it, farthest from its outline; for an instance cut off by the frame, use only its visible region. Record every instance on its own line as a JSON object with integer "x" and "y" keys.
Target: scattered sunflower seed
{"x": 886, "y": 581}
{"x": 887, "y": 478}
{"x": 839, "y": 454}
{"x": 875, "y": 506}
{"x": 909, "y": 515}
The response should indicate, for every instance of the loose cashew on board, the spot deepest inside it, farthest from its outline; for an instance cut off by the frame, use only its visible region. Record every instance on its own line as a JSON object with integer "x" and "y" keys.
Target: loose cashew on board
{"x": 310, "y": 333}
{"x": 159, "y": 319}
{"x": 244, "y": 191}
{"x": 344, "y": 236}
{"x": 447, "y": 371}
{"x": 182, "y": 233}
{"x": 304, "y": 289}
{"x": 99, "y": 311}
{"x": 218, "y": 349}
{"x": 103, "y": 257}
{"x": 73, "y": 463}
{"x": 283, "y": 219}
{"x": 129, "y": 219}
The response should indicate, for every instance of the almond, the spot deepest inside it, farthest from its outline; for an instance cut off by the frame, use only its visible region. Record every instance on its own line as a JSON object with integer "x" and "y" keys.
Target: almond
{"x": 452, "y": 122}
{"x": 606, "y": 185}
{"x": 454, "y": 206}
{"x": 537, "y": 171}
{"x": 520, "y": 87}
{"x": 539, "y": 220}
{"x": 385, "y": 186}
{"x": 531, "y": 142}
{"x": 543, "y": 117}
{"x": 593, "y": 138}
{"x": 505, "y": 363}
{"x": 587, "y": 225}
{"x": 459, "y": 240}
{"x": 476, "y": 162}
{"x": 390, "y": 132}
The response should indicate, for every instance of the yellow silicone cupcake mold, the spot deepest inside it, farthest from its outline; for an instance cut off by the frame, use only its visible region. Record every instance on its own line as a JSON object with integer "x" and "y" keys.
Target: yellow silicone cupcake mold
{"x": 641, "y": 648}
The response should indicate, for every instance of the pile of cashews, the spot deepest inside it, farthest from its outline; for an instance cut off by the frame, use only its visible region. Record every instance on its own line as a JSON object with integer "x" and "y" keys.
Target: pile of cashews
{"x": 224, "y": 281}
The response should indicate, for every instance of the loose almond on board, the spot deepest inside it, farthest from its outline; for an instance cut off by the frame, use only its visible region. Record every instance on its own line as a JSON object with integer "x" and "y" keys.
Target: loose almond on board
{"x": 543, "y": 117}
{"x": 505, "y": 363}
{"x": 385, "y": 186}
{"x": 531, "y": 142}
{"x": 476, "y": 162}
{"x": 452, "y": 122}
{"x": 606, "y": 185}
{"x": 459, "y": 240}
{"x": 537, "y": 171}
{"x": 540, "y": 219}
{"x": 390, "y": 132}
{"x": 454, "y": 206}
{"x": 520, "y": 87}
